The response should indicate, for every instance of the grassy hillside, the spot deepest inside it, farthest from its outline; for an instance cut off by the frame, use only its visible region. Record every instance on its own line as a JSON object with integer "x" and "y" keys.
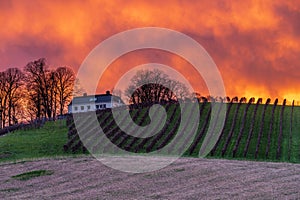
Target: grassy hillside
{"x": 47, "y": 141}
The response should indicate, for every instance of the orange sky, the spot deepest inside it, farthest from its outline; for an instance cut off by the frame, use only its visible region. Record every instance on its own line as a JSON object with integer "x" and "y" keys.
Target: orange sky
{"x": 255, "y": 44}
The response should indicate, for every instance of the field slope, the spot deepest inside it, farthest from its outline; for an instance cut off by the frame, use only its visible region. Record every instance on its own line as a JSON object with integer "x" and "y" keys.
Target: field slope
{"x": 187, "y": 178}
{"x": 46, "y": 141}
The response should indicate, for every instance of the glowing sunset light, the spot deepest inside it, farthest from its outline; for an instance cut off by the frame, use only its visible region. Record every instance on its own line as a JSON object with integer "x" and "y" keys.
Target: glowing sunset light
{"x": 255, "y": 44}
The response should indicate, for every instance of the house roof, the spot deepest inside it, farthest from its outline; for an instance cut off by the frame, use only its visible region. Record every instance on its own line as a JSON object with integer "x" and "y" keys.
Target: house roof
{"x": 98, "y": 98}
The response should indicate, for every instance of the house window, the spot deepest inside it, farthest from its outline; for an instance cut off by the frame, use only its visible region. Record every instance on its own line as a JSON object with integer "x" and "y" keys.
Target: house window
{"x": 97, "y": 106}
{"x": 82, "y": 107}
{"x": 88, "y": 107}
{"x": 104, "y": 105}
{"x": 75, "y": 108}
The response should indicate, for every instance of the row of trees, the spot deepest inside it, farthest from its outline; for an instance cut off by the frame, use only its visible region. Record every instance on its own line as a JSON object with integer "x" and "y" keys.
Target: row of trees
{"x": 154, "y": 86}
{"x": 35, "y": 92}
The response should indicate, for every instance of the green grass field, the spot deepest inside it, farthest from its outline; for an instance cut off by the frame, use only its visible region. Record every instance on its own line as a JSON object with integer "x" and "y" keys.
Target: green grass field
{"x": 46, "y": 141}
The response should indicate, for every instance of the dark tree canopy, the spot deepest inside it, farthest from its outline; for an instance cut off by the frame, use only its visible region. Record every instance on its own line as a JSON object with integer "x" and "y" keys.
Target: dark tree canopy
{"x": 154, "y": 86}
{"x": 152, "y": 93}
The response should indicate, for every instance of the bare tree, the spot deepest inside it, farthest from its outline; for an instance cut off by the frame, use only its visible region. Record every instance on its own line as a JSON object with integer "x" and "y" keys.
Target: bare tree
{"x": 78, "y": 90}
{"x": 35, "y": 85}
{"x": 3, "y": 97}
{"x": 15, "y": 82}
{"x": 65, "y": 84}
{"x": 40, "y": 81}
{"x": 181, "y": 90}
{"x": 53, "y": 92}
{"x": 154, "y": 86}
{"x": 11, "y": 82}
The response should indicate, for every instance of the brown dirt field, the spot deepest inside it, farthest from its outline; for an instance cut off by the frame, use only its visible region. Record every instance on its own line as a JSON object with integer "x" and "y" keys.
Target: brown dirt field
{"x": 187, "y": 178}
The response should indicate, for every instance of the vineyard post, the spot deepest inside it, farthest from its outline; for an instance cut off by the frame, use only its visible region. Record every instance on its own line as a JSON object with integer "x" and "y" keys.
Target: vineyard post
{"x": 251, "y": 127}
{"x": 271, "y": 128}
{"x": 291, "y": 129}
{"x": 261, "y": 127}
{"x": 231, "y": 132}
{"x": 242, "y": 127}
{"x": 223, "y": 130}
{"x": 278, "y": 153}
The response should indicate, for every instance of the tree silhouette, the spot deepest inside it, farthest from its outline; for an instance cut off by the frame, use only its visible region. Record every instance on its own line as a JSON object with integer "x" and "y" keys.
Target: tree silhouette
{"x": 65, "y": 83}
{"x": 155, "y": 87}
{"x": 11, "y": 82}
{"x": 48, "y": 88}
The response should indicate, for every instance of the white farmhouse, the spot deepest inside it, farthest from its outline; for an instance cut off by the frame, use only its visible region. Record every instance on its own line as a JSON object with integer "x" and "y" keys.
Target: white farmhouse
{"x": 87, "y": 103}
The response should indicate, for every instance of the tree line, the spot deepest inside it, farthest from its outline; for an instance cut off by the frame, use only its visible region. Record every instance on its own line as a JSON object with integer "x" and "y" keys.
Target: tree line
{"x": 154, "y": 86}
{"x": 35, "y": 92}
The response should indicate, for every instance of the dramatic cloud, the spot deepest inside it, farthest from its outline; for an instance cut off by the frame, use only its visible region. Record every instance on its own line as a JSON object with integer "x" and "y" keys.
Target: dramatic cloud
{"x": 255, "y": 44}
